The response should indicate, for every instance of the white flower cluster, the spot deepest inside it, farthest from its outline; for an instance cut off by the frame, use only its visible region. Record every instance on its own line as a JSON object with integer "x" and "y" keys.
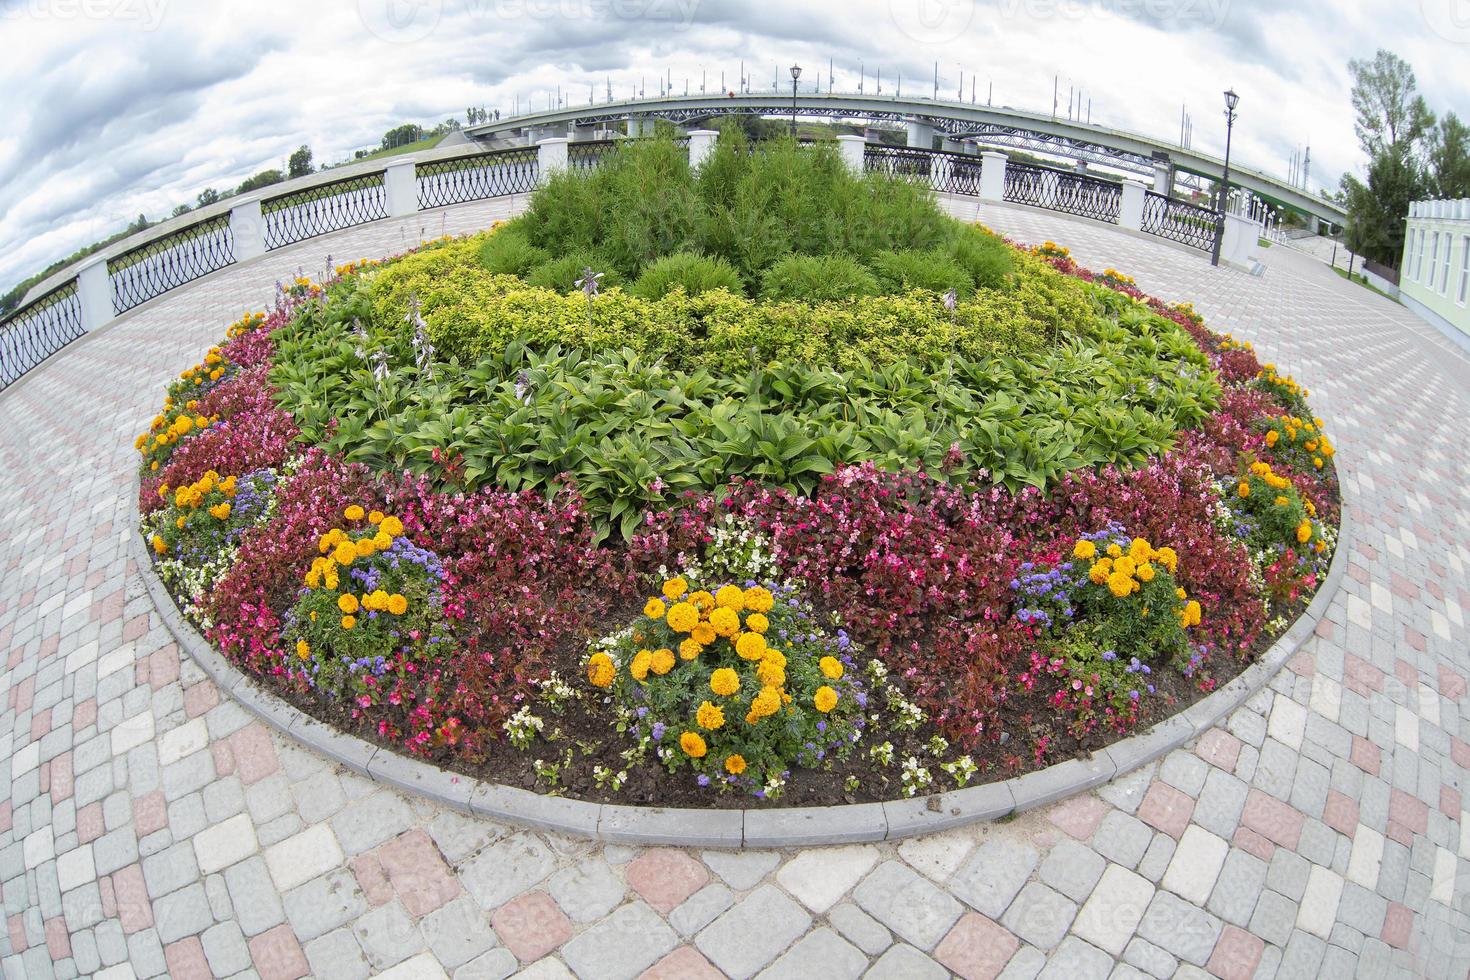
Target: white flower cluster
{"x": 737, "y": 552}
{"x": 523, "y": 727}
{"x": 915, "y": 777}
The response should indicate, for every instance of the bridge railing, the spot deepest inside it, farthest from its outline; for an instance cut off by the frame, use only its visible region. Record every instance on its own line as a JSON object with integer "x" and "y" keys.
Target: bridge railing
{"x": 146, "y": 265}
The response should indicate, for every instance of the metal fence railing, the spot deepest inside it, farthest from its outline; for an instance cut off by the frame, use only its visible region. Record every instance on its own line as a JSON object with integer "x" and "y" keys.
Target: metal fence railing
{"x": 155, "y": 267}
{"x": 312, "y": 211}
{"x": 1062, "y": 190}
{"x": 37, "y": 331}
{"x": 475, "y": 178}
{"x": 1180, "y": 221}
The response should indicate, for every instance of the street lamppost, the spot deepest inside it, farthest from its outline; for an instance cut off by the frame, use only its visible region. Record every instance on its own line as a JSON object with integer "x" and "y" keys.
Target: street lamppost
{"x": 1231, "y": 99}
{"x": 795, "y": 74}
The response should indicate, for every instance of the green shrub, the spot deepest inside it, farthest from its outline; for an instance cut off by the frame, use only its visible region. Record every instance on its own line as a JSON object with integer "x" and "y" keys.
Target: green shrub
{"x": 817, "y": 279}
{"x": 933, "y": 269}
{"x": 693, "y": 273}
{"x": 509, "y": 252}
{"x": 562, "y": 274}
{"x": 987, "y": 259}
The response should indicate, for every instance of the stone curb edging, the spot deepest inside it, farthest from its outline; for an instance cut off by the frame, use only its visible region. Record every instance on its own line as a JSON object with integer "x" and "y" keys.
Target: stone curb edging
{"x": 730, "y": 829}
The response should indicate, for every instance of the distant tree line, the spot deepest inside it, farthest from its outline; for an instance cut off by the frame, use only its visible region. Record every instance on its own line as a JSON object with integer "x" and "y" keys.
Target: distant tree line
{"x": 1411, "y": 156}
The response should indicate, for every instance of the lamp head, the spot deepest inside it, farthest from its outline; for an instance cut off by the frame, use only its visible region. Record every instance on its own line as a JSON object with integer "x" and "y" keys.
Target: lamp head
{"x": 1231, "y": 99}
{"x": 795, "y": 72}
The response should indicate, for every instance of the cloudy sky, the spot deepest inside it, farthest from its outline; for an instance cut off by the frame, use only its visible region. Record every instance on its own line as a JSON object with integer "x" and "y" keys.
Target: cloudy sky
{"x": 121, "y": 107}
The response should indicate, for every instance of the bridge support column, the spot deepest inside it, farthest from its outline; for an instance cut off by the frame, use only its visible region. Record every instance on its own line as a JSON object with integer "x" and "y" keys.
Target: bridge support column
{"x": 581, "y": 133}
{"x": 551, "y": 156}
{"x": 1314, "y": 224}
{"x": 94, "y": 291}
{"x": 949, "y": 145}
{"x": 1163, "y": 178}
{"x": 921, "y": 134}
{"x": 1130, "y": 206}
{"x": 639, "y": 126}
{"x": 701, "y": 145}
{"x": 402, "y": 188}
{"x": 851, "y": 148}
{"x": 992, "y": 176}
{"x": 247, "y": 228}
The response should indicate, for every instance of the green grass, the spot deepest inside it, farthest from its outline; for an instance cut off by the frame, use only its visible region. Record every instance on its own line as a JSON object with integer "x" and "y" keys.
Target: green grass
{"x": 428, "y": 143}
{"x": 1263, "y": 243}
{"x": 1362, "y": 281}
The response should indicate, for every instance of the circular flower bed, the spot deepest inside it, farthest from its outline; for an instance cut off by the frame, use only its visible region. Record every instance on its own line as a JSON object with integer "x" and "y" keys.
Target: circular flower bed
{"x": 742, "y": 533}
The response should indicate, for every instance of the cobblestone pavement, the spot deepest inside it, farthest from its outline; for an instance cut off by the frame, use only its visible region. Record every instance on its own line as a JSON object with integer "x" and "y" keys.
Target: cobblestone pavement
{"x": 149, "y": 826}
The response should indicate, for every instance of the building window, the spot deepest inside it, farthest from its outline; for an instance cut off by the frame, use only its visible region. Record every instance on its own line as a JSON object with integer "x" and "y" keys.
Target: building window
{"x": 1464, "y": 268}
{"x": 1433, "y": 261}
{"x": 1419, "y": 258}
{"x": 1444, "y": 273}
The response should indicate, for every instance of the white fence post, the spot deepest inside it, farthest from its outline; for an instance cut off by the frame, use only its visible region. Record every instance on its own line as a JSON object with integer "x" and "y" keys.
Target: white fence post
{"x": 247, "y": 228}
{"x": 1130, "y": 206}
{"x": 551, "y": 156}
{"x": 402, "y": 188}
{"x": 992, "y": 176}
{"x": 94, "y": 291}
{"x": 701, "y": 145}
{"x": 852, "y": 148}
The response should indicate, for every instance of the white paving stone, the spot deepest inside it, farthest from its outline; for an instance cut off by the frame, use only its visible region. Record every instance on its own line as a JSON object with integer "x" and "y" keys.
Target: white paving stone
{"x": 1195, "y": 865}
{"x": 219, "y": 846}
{"x": 819, "y": 877}
{"x": 301, "y": 857}
{"x": 1111, "y": 915}
{"x": 183, "y": 741}
{"x": 1318, "y": 911}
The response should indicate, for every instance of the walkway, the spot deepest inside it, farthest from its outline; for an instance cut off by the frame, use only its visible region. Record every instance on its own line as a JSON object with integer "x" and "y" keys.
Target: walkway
{"x": 151, "y": 827}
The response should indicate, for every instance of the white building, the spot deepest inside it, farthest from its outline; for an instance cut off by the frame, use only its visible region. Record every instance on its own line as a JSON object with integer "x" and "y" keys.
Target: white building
{"x": 1435, "y": 278}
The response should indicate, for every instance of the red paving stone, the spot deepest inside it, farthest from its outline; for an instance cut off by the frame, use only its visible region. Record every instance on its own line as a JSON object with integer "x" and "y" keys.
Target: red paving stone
{"x": 89, "y": 823}
{"x": 665, "y": 877}
{"x": 417, "y": 873}
{"x": 1166, "y": 808}
{"x": 277, "y": 955}
{"x": 684, "y": 963}
{"x": 1219, "y": 748}
{"x": 531, "y": 925}
{"x": 186, "y": 960}
{"x": 200, "y": 698}
{"x": 255, "y": 754}
{"x": 1236, "y": 954}
{"x": 58, "y": 940}
{"x": 1367, "y": 756}
{"x": 1408, "y": 810}
{"x": 150, "y": 813}
{"x": 1341, "y": 813}
{"x": 1079, "y": 816}
{"x": 372, "y": 879}
{"x": 133, "y": 908}
{"x": 1276, "y": 821}
{"x": 976, "y": 948}
{"x": 1451, "y": 684}
{"x": 1398, "y": 922}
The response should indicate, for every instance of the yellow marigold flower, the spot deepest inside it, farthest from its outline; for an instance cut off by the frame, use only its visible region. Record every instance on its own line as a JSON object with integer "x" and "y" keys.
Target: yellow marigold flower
{"x": 1272, "y": 437}
{"x": 709, "y": 716}
{"x": 1140, "y": 550}
{"x": 375, "y": 517}
{"x": 1084, "y": 550}
{"x": 1169, "y": 558}
{"x": 382, "y": 541}
{"x": 1317, "y": 462}
{"x": 1282, "y": 501}
{"x": 767, "y": 702}
{"x": 690, "y": 649}
{"x": 1244, "y": 490}
{"x": 303, "y": 649}
{"x": 750, "y": 646}
{"x": 825, "y": 699}
{"x": 642, "y": 660}
{"x": 654, "y": 609}
{"x": 1304, "y": 532}
{"x": 675, "y": 587}
{"x": 726, "y": 622}
{"x": 220, "y": 511}
{"x": 831, "y": 668}
{"x": 1124, "y": 566}
{"x": 724, "y": 682}
{"x": 347, "y": 602}
{"x": 703, "y": 634}
{"x": 662, "y": 661}
{"x": 1181, "y": 593}
{"x": 735, "y": 764}
{"x": 1115, "y": 550}
{"x": 364, "y": 548}
{"x": 348, "y": 622}
{"x": 329, "y": 578}
{"x": 600, "y": 670}
{"x": 1145, "y": 572}
{"x": 1120, "y": 584}
{"x": 159, "y": 545}
{"x": 180, "y": 522}
{"x": 702, "y": 601}
{"x": 682, "y": 617}
{"x": 344, "y": 554}
{"x": 353, "y": 512}
{"x": 757, "y": 622}
{"x": 1100, "y": 571}
{"x": 693, "y": 745}
{"x": 1192, "y": 613}
{"x": 163, "y": 491}
{"x": 397, "y": 604}
{"x": 392, "y": 526}
{"x": 759, "y": 599}
{"x": 770, "y": 673}
{"x": 730, "y": 597}
{"x": 314, "y": 578}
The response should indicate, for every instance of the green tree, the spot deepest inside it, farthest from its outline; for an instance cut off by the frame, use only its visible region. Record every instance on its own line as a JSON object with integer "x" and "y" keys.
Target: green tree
{"x": 1449, "y": 159}
{"x": 402, "y": 135}
{"x": 1390, "y": 114}
{"x": 263, "y": 179}
{"x": 299, "y": 163}
{"x": 207, "y": 196}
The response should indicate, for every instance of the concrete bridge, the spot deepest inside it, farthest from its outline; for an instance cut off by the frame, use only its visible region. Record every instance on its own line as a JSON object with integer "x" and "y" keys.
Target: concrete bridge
{"x": 965, "y": 125}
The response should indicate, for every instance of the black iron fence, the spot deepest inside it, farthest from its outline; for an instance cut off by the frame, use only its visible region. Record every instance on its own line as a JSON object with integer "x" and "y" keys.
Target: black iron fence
{"x": 1180, "y": 221}
{"x": 313, "y": 211}
{"x": 946, "y": 172}
{"x": 37, "y": 331}
{"x": 164, "y": 263}
{"x": 1062, "y": 190}
{"x": 475, "y": 178}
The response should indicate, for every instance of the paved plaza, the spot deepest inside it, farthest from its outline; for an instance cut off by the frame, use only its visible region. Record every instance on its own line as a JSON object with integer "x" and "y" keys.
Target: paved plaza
{"x": 149, "y": 826}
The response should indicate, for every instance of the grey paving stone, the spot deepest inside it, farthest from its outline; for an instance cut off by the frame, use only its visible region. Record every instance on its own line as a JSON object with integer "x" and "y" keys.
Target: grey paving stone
{"x": 820, "y": 952}
{"x": 1072, "y": 869}
{"x": 629, "y": 941}
{"x": 1175, "y": 925}
{"x": 1184, "y": 771}
{"x": 498, "y": 964}
{"x": 866, "y": 932}
{"x": 182, "y": 913}
{"x": 319, "y": 797}
{"x": 1302, "y": 958}
{"x": 112, "y": 943}
{"x": 1238, "y": 887}
{"x": 145, "y": 954}
{"x": 115, "y": 850}
{"x": 82, "y": 907}
{"x": 387, "y": 935}
{"x": 224, "y": 947}
{"x": 1156, "y": 859}
{"x": 337, "y": 954}
{"x": 1077, "y": 960}
{"x": 1144, "y": 955}
{"x": 990, "y": 879}
{"x": 1025, "y": 964}
{"x": 751, "y": 933}
{"x": 505, "y": 869}
{"x": 700, "y": 909}
{"x": 907, "y": 903}
{"x": 84, "y": 955}
{"x": 170, "y": 869}
{"x": 1220, "y": 803}
{"x": 253, "y": 896}
{"x": 457, "y": 932}
{"x": 1039, "y": 915}
{"x": 372, "y": 820}
{"x": 903, "y": 962}
{"x": 457, "y": 835}
{"x": 1288, "y": 873}
{"x": 741, "y": 870}
{"x": 587, "y": 890}
{"x": 324, "y": 903}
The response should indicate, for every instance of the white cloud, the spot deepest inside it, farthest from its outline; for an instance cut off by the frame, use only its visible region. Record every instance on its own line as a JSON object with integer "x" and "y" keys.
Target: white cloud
{"x": 116, "y": 107}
